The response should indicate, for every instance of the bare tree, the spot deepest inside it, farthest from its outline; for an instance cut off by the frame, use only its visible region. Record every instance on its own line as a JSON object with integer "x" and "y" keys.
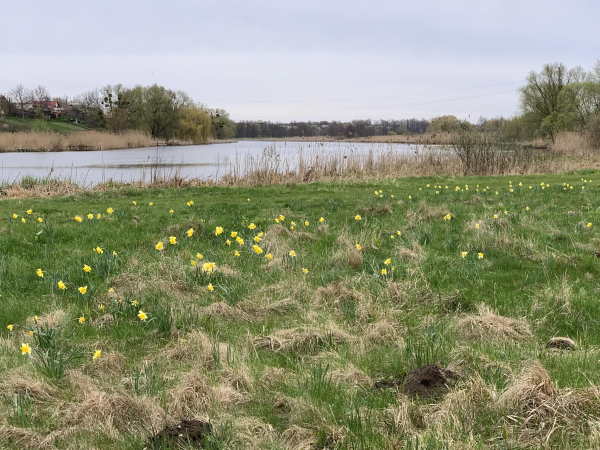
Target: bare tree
{"x": 41, "y": 94}
{"x": 21, "y": 96}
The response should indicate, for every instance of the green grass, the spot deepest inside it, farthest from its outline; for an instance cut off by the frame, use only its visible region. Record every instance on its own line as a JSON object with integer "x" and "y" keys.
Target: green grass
{"x": 190, "y": 358}
{"x": 61, "y": 126}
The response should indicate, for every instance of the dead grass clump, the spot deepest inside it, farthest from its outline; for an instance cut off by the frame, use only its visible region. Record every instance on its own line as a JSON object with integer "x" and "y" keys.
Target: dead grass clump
{"x": 19, "y": 382}
{"x": 489, "y": 326}
{"x": 275, "y": 375}
{"x": 107, "y": 412}
{"x": 352, "y": 376}
{"x": 195, "y": 347}
{"x": 275, "y": 240}
{"x": 23, "y": 438}
{"x": 334, "y": 294}
{"x": 425, "y": 213}
{"x": 238, "y": 377}
{"x": 251, "y": 432}
{"x": 111, "y": 364}
{"x": 414, "y": 254}
{"x": 223, "y": 311}
{"x": 53, "y": 319}
{"x": 302, "y": 339}
{"x": 192, "y": 397}
{"x": 383, "y": 332}
{"x": 298, "y": 438}
{"x": 542, "y": 410}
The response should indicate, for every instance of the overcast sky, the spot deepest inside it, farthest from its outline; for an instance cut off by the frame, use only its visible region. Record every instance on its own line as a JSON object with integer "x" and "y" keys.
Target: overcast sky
{"x": 310, "y": 60}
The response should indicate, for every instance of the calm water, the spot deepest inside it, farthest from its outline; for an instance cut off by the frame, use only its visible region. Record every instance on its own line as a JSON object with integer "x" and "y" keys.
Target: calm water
{"x": 194, "y": 161}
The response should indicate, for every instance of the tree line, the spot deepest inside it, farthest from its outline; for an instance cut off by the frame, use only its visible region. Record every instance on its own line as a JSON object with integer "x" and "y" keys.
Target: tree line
{"x": 356, "y": 128}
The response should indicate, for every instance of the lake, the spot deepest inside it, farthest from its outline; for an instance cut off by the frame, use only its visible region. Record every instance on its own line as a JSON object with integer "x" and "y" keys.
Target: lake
{"x": 210, "y": 161}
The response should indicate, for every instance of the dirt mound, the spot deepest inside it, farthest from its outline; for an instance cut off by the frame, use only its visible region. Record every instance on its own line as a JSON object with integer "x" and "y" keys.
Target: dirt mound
{"x": 429, "y": 382}
{"x": 562, "y": 343}
{"x": 185, "y": 432}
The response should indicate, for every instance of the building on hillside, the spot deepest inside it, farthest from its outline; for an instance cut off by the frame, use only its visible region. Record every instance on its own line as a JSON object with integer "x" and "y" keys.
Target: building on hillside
{"x": 49, "y": 109}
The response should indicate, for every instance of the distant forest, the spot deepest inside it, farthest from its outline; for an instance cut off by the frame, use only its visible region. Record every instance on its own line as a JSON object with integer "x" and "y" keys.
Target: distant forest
{"x": 356, "y": 128}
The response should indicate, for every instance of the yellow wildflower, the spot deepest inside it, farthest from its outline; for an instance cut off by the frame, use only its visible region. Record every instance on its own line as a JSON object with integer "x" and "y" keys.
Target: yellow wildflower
{"x": 172, "y": 240}
{"x": 97, "y": 354}
{"x": 23, "y": 220}
{"x": 39, "y": 273}
{"x": 208, "y": 267}
{"x": 234, "y": 234}
{"x": 322, "y": 219}
{"x": 90, "y": 216}
{"x": 251, "y": 226}
{"x": 383, "y": 272}
{"x": 477, "y": 225}
{"x": 134, "y": 203}
{"x": 218, "y": 231}
{"x": 10, "y": 327}
{"x": 358, "y": 247}
{"x": 159, "y": 246}
{"x": 190, "y": 232}
{"x": 357, "y": 217}
{"x": 29, "y": 211}
{"x": 304, "y": 271}
{"x": 269, "y": 256}
{"x": 151, "y": 204}
{"x": 99, "y": 216}
{"x": 81, "y": 319}
{"x": 15, "y": 216}
{"x": 99, "y": 250}
{"x": 292, "y": 253}
{"x": 171, "y": 211}
{"x": 306, "y": 223}
{"x": 257, "y": 249}
{"x": 86, "y": 268}
{"x": 236, "y": 253}
{"x": 78, "y": 219}
{"x": 199, "y": 255}
{"x": 25, "y": 348}
{"x": 82, "y": 289}
{"x": 110, "y": 211}
{"x": 40, "y": 220}
{"x": 480, "y": 255}
{"x": 228, "y": 242}
{"x": 62, "y": 285}
{"x": 210, "y": 287}
{"x": 589, "y": 224}
{"x": 142, "y": 315}
{"x": 463, "y": 254}
{"x": 387, "y": 261}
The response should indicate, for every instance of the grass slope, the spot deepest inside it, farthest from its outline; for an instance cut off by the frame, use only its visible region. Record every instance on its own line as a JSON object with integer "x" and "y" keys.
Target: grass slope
{"x": 62, "y": 126}
{"x": 278, "y": 358}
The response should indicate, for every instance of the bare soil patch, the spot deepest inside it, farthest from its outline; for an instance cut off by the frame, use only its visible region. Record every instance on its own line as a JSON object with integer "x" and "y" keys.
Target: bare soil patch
{"x": 429, "y": 382}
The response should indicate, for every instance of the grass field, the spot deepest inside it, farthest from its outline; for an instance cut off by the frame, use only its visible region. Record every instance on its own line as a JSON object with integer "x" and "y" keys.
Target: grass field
{"x": 312, "y": 324}
{"x": 61, "y": 126}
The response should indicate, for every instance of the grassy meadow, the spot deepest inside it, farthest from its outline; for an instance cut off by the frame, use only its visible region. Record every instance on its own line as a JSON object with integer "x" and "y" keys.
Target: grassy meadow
{"x": 289, "y": 316}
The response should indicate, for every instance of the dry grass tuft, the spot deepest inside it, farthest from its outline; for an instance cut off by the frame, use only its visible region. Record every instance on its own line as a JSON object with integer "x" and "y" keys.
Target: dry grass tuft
{"x": 301, "y": 339}
{"x": 23, "y": 438}
{"x": 425, "y": 213}
{"x": 55, "y": 318}
{"x": 298, "y": 438}
{"x": 195, "y": 347}
{"x": 383, "y": 332}
{"x": 253, "y": 433}
{"x": 223, "y": 311}
{"x": 414, "y": 254}
{"x": 111, "y": 364}
{"x": 192, "y": 397}
{"x": 19, "y": 382}
{"x": 489, "y": 326}
{"x": 352, "y": 376}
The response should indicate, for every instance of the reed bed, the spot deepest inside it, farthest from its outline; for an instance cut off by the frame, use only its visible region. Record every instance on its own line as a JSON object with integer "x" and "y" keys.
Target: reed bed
{"x": 49, "y": 141}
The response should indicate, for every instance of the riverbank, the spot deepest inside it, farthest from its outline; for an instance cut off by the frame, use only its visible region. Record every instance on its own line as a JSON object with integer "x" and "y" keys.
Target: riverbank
{"x": 289, "y": 316}
{"x": 440, "y": 138}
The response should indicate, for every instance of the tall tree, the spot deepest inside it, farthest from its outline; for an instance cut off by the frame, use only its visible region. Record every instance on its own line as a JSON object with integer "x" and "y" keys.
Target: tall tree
{"x": 21, "y": 96}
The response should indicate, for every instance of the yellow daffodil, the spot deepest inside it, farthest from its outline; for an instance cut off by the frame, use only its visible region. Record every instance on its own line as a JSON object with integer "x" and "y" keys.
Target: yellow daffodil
{"x": 110, "y": 211}
{"x": 82, "y": 289}
{"x": 239, "y": 240}
{"x": 10, "y": 327}
{"x": 190, "y": 203}
{"x": 190, "y": 232}
{"x": 40, "y": 220}
{"x": 589, "y": 224}
{"x": 480, "y": 255}
{"x": 15, "y": 216}
{"x": 357, "y": 217}
{"x": 159, "y": 246}
{"x": 30, "y": 333}
{"x": 172, "y": 240}
{"x": 171, "y": 211}
{"x": 87, "y": 269}
{"x": 81, "y": 319}
{"x": 23, "y": 220}
{"x": 292, "y": 253}
{"x": 383, "y": 272}
{"x": 236, "y": 253}
{"x": 495, "y": 216}
{"x": 29, "y": 211}
{"x": 260, "y": 235}
{"x": 114, "y": 253}
{"x": 199, "y": 255}
{"x": 398, "y": 233}
{"x": 151, "y": 204}
{"x": 99, "y": 250}
{"x": 97, "y": 354}
{"x": 134, "y": 302}
{"x": 358, "y": 247}
{"x": 228, "y": 242}
{"x": 477, "y": 225}
{"x": 234, "y": 234}
{"x": 251, "y": 226}
{"x": 39, "y": 273}
{"x": 257, "y": 249}
{"x": 463, "y": 254}
{"x": 282, "y": 218}
{"x": 269, "y": 256}
{"x": 134, "y": 203}
{"x": 304, "y": 271}
{"x": 142, "y": 315}
{"x": 322, "y": 219}
{"x": 99, "y": 216}
{"x": 276, "y": 220}
{"x": 25, "y": 349}
{"x": 61, "y": 285}
{"x": 306, "y": 223}
{"x": 218, "y": 231}
{"x": 90, "y": 216}
{"x": 210, "y": 287}
{"x": 193, "y": 263}
{"x": 387, "y": 261}
{"x": 256, "y": 239}
{"x": 527, "y": 208}
{"x": 78, "y": 219}
{"x": 208, "y": 267}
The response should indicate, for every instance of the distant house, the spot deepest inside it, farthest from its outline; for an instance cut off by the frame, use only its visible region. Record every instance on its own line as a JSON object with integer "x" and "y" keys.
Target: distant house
{"x": 50, "y": 109}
